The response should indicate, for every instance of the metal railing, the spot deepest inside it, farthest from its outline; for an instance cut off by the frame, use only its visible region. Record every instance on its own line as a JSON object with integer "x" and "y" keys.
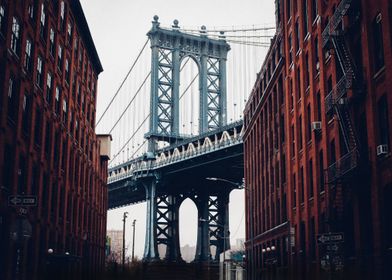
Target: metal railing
{"x": 335, "y": 20}
{"x": 343, "y": 166}
{"x": 337, "y": 93}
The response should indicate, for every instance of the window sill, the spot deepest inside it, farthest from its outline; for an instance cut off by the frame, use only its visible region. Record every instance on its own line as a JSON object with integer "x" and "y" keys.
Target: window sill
{"x": 307, "y": 37}
{"x": 379, "y": 73}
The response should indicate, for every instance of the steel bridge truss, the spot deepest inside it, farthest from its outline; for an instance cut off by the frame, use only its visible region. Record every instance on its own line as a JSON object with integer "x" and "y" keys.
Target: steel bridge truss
{"x": 169, "y": 47}
{"x": 163, "y": 224}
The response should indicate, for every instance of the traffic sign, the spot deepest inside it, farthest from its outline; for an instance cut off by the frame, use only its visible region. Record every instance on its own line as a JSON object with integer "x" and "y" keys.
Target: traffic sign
{"x": 22, "y": 200}
{"x": 328, "y": 238}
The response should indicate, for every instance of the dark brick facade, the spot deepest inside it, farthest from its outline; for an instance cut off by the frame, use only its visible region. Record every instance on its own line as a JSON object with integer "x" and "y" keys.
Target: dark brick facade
{"x": 48, "y": 148}
{"x": 331, "y": 163}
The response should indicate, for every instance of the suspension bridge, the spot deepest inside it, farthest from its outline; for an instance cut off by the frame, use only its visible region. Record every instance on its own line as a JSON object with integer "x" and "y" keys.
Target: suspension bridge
{"x": 176, "y": 121}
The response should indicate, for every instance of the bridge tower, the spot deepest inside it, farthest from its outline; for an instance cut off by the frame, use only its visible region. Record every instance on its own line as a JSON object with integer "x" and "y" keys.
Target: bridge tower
{"x": 169, "y": 47}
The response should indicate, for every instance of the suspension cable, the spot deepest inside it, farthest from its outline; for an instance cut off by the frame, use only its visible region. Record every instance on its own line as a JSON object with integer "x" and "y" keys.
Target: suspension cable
{"x": 133, "y": 135}
{"x": 122, "y": 83}
{"x": 140, "y": 126}
{"x": 129, "y": 104}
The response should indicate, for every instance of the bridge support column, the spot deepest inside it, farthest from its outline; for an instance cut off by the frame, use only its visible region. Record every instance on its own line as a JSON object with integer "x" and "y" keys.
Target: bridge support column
{"x": 150, "y": 245}
{"x": 168, "y": 226}
{"x": 203, "y": 238}
{"x": 223, "y": 218}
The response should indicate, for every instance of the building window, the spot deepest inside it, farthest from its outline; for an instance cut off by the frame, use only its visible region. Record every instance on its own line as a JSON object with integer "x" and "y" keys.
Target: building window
{"x": 42, "y": 21}
{"x": 318, "y": 100}
{"x": 302, "y": 184}
{"x": 30, "y": 11}
{"x": 59, "y": 57}
{"x": 15, "y": 35}
{"x": 288, "y": 8}
{"x": 314, "y": 10}
{"x": 378, "y": 47}
{"x": 51, "y": 42}
{"x": 39, "y": 78}
{"x": 383, "y": 121}
{"x": 67, "y": 75}
{"x": 62, "y": 15}
{"x": 282, "y": 129}
{"x": 297, "y": 35}
{"x": 307, "y": 74}
{"x": 47, "y": 139}
{"x": 291, "y": 48}
{"x": 2, "y": 19}
{"x": 309, "y": 126}
{"x": 65, "y": 112}
{"x": 26, "y": 108}
{"x": 293, "y": 141}
{"x": 305, "y": 17}
{"x": 299, "y": 83}
{"x": 27, "y": 58}
{"x": 332, "y": 155}
{"x": 69, "y": 33}
{"x": 57, "y": 102}
{"x": 316, "y": 56}
{"x": 38, "y": 126}
{"x": 48, "y": 87}
{"x": 311, "y": 191}
{"x": 294, "y": 190}
{"x": 321, "y": 170}
{"x": 12, "y": 98}
{"x": 300, "y": 140}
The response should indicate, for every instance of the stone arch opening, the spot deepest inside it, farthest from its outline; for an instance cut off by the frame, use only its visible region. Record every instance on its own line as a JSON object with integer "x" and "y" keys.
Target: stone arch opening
{"x": 189, "y": 94}
{"x": 188, "y": 215}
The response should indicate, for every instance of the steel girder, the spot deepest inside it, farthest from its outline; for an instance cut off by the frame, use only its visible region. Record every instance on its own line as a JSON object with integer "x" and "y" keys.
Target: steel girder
{"x": 168, "y": 48}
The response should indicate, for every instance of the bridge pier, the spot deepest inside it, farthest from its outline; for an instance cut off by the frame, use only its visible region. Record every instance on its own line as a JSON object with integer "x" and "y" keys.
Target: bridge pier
{"x": 203, "y": 239}
{"x": 150, "y": 245}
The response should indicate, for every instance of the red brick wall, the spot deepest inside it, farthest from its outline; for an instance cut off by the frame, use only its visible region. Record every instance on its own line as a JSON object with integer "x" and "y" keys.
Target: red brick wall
{"x": 355, "y": 205}
{"x": 51, "y": 156}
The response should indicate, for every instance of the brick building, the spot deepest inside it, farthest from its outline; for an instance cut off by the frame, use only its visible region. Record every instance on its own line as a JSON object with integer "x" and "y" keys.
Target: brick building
{"x": 48, "y": 148}
{"x": 116, "y": 245}
{"x": 322, "y": 143}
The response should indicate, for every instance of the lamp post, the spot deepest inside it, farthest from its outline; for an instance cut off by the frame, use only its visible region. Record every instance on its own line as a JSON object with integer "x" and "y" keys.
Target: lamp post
{"x": 133, "y": 239}
{"x": 224, "y": 242}
{"x": 240, "y": 186}
{"x": 125, "y": 215}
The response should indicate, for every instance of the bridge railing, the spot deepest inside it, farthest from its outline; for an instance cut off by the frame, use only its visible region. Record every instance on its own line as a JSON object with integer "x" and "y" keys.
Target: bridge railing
{"x": 187, "y": 149}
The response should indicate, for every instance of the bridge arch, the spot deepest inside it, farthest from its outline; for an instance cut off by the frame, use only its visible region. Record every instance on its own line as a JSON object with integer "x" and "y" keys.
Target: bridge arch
{"x": 189, "y": 95}
{"x": 188, "y": 215}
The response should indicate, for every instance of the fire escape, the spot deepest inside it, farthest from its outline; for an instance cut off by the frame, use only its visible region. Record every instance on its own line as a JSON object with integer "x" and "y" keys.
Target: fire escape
{"x": 340, "y": 99}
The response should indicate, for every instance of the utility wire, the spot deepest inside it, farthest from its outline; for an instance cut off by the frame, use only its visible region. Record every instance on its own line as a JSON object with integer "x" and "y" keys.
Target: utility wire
{"x": 122, "y": 83}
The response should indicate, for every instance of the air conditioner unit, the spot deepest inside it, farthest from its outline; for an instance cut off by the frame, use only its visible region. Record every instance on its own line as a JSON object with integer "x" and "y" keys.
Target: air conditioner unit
{"x": 316, "y": 126}
{"x": 382, "y": 150}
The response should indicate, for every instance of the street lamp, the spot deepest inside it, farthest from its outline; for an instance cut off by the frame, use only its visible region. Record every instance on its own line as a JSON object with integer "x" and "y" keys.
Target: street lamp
{"x": 133, "y": 240}
{"x": 238, "y": 185}
{"x": 224, "y": 242}
{"x": 125, "y": 215}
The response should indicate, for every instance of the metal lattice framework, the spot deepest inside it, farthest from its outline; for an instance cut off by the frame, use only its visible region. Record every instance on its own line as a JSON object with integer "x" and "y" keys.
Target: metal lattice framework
{"x": 168, "y": 48}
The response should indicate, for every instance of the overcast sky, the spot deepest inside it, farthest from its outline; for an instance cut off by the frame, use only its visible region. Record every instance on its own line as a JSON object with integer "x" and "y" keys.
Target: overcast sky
{"x": 119, "y": 30}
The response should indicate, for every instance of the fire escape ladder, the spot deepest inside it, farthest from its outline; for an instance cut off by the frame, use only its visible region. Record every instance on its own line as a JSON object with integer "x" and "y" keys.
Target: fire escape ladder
{"x": 336, "y": 19}
{"x": 345, "y": 59}
{"x": 337, "y": 99}
{"x": 348, "y": 131}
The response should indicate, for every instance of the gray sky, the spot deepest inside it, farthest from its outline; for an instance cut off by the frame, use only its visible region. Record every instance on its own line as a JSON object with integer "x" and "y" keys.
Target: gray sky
{"x": 119, "y": 30}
